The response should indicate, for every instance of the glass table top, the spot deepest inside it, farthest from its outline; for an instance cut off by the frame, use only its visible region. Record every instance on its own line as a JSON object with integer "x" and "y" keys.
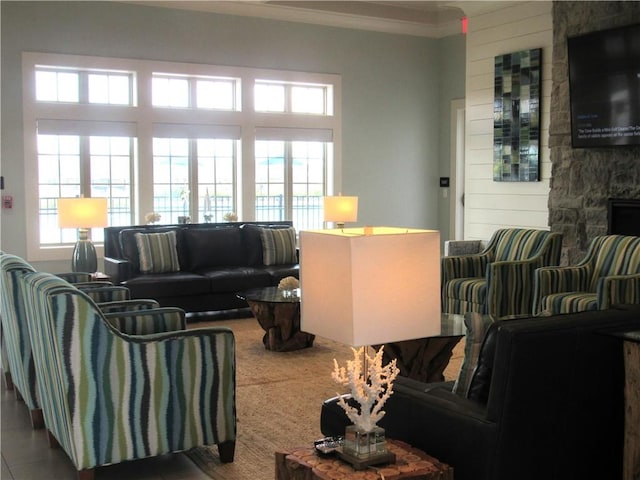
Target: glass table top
{"x": 452, "y": 325}
{"x": 271, "y": 294}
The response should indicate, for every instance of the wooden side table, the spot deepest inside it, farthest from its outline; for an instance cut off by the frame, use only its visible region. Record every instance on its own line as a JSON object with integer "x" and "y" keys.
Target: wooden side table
{"x": 631, "y": 351}
{"x": 304, "y": 464}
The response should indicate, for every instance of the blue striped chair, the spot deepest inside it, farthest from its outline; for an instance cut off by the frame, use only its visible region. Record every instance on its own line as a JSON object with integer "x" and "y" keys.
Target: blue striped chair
{"x": 108, "y": 396}
{"x": 499, "y": 280}
{"x": 608, "y": 275}
{"x": 17, "y": 346}
{"x": 16, "y": 332}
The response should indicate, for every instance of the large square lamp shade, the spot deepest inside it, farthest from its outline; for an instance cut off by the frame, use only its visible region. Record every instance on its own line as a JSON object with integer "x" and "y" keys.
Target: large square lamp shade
{"x": 372, "y": 285}
{"x": 83, "y": 214}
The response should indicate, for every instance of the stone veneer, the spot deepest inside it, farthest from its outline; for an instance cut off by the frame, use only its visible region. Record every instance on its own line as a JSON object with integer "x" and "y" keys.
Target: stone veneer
{"x": 583, "y": 179}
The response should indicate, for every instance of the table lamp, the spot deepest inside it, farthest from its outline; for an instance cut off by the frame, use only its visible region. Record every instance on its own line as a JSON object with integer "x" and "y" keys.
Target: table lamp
{"x": 340, "y": 210}
{"x": 369, "y": 286}
{"x": 83, "y": 214}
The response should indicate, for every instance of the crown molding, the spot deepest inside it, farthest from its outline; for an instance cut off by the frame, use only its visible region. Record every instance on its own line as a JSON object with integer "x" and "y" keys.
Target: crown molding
{"x": 273, "y": 11}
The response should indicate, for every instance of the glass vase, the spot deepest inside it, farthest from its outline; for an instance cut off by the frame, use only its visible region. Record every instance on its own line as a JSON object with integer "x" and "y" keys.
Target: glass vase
{"x": 364, "y": 444}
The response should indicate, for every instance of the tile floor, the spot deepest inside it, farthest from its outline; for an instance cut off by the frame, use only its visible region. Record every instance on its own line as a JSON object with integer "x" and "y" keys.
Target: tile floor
{"x": 26, "y": 454}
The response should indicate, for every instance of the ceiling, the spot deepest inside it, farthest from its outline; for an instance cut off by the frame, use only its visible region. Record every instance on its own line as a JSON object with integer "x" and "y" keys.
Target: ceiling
{"x": 422, "y": 18}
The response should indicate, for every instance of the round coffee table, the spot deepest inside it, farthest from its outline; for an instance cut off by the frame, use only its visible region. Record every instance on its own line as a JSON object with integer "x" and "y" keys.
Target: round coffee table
{"x": 278, "y": 313}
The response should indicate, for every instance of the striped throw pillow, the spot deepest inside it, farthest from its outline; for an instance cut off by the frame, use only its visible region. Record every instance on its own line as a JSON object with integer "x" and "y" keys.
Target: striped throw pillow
{"x": 278, "y": 246}
{"x": 158, "y": 252}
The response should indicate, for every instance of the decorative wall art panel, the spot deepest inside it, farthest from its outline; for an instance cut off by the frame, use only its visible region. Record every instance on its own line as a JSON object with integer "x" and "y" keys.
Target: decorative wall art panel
{"x": 516, "y": 117}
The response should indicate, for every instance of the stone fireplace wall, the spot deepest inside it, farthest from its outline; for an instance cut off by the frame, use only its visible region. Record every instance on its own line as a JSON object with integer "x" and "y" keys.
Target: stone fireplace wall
{"x": 583, "y": 179}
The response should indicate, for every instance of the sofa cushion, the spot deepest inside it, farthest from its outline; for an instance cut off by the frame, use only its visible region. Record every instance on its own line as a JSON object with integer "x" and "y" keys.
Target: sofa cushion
{"x": 129, "y": 246}
{"x": 214, "y": 247}
{"x": 477, "y": 326}
{"x": 236, "y": 279}
{"x": 158, "y": 252}
{"x": 278, "y": 246}
{"x": 168, "y": 285}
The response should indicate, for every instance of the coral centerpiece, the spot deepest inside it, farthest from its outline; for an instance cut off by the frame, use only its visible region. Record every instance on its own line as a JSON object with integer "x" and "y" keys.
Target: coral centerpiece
{"x": 371, "y": 386}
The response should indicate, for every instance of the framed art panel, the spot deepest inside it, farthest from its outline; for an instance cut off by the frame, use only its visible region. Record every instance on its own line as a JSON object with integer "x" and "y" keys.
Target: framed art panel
{"x": 516, "y": 116}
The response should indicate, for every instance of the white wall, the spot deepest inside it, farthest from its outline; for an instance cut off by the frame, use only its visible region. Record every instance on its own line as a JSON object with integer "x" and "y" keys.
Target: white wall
{"x": 491, "y": 205}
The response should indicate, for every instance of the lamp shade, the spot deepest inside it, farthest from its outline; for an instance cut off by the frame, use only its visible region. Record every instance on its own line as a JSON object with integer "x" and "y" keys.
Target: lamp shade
{"x": 340, "y": 209}
{"x": 82, "y": 212}
{"x": 368, "y": 289}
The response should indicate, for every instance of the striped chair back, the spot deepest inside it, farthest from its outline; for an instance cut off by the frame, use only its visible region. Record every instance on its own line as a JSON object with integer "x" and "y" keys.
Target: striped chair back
{"x": 521, "y": 244}
{"x": 612, "y": 255}
{"x": 15, "y": 328}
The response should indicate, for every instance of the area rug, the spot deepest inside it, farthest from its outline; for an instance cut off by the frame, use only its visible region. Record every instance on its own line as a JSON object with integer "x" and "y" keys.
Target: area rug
{"x": 278, "y": 399}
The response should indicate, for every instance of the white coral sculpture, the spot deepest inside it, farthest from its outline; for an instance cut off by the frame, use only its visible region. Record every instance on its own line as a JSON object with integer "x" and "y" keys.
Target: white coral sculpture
{"x": 369, "y": 388}
{"x": 289, "y": 283}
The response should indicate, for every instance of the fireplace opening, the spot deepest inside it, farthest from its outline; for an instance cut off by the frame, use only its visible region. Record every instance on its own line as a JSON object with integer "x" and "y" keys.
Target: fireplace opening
{"x": 623, "y": 217}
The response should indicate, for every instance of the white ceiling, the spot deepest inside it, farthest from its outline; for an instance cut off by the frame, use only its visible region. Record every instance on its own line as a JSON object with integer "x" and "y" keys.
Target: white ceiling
{"x": 422, "y": 18}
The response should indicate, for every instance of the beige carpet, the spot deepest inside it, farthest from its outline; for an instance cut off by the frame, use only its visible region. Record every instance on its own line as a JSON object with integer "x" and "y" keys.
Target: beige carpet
{"x": 278, "y": 400}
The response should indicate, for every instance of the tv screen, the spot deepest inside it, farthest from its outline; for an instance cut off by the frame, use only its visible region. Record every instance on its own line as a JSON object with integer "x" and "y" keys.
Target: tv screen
{"x": 604, "y": 82}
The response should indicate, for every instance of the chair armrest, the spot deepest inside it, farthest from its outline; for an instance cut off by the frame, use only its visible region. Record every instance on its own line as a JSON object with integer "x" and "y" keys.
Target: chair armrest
{"x": 110, "y": 293}
{"x": 510, "y": 287}
{"x": 97, "y": 284}
{"x": 118, "y": 269}
{"x": 548, "y": 280}
{"x": 75, "y": 277}
{"x": 128, "y": 305}
{"x": 618, "y": 290}
{"x": 149, "y": 321}
{"x": 464, "y": 266}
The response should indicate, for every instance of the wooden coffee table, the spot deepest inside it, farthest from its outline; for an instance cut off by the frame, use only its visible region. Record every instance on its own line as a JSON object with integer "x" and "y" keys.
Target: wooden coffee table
{"x": 304, "y": 464}
{"x": 279, "y": 316}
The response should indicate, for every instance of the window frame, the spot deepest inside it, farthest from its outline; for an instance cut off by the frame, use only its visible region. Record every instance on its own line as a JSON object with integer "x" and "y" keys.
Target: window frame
{"x": 144, "y": 116}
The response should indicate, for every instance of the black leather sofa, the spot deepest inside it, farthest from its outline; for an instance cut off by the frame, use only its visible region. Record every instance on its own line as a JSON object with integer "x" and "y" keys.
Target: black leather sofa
{"x": 217, "y": 260}
{"x": 546, "y": 402}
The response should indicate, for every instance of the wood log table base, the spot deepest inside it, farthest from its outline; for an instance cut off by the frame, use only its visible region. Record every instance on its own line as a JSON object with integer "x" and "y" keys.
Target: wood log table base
{"x": 281, "y": 323}
{"x": 423, "y": 359}
{"x": 631, "y": 466}
{"x": 304, "y": 464}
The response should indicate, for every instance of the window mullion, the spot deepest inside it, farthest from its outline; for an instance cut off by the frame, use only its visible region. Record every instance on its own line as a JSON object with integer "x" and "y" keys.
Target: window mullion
{"x": 85, "y": 166}
{"x": 288, "y": 179}
{"x": 193, "y": 180}
{"x": 83, "y": 87}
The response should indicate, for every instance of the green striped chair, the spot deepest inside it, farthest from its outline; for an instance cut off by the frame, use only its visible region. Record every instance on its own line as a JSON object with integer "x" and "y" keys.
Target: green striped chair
{"x": 108, "y": 396}
{"x": 16, "y": 332}
{"x": 608, "y": 275}
{"x": 499, "y": 280}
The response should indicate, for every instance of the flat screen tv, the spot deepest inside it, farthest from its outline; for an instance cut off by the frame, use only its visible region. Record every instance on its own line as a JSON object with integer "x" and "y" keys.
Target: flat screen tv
{"x": 604, "y": 82}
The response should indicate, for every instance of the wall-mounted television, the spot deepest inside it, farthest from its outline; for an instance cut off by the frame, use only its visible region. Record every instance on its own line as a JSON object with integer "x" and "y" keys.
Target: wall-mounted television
{"x": 604, "y": 83}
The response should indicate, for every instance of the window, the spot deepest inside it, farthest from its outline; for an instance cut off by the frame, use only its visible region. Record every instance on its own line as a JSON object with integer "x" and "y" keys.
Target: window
{"x": 175, "y": 139}
{"x": 199, "y": 92}
{"x": 273, "y": 96}
{"x": 290, "y": 181}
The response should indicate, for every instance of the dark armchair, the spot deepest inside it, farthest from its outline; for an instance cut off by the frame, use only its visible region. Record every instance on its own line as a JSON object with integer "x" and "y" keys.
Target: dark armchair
{"x": 546, "y": 402}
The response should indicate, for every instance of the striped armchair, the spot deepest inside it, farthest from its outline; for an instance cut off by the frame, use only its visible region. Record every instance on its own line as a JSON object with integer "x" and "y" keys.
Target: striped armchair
{"x": 499, "y": 280}
{"x": 16, "y": 332}
{"x": 608, "y": 275}
{"x": 17, "y": 346}
{"x": 110, "y": 397}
